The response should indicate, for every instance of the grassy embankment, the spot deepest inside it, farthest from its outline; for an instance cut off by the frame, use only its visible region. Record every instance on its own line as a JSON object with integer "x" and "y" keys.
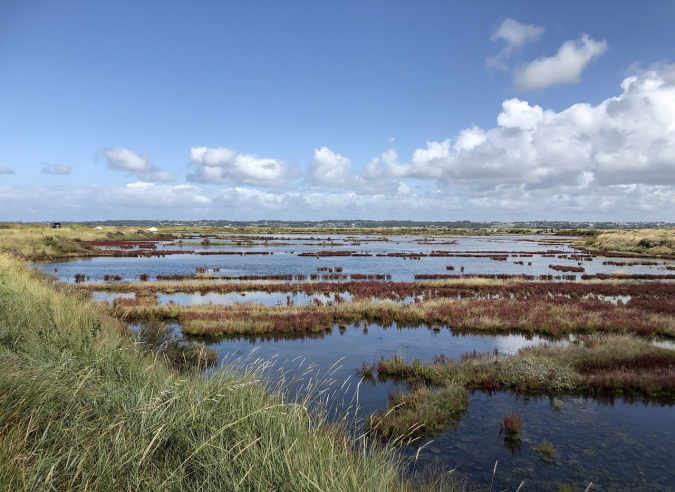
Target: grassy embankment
{"x": 39, "y": 240}
{"x": 605, "y": 364}
{"x": 82, "y": 408}
{"x": 648, "y": 242}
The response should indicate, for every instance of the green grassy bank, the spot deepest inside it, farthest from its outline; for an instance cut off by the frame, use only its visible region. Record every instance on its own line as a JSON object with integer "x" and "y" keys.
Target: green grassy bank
{"x": 83, "y": 408}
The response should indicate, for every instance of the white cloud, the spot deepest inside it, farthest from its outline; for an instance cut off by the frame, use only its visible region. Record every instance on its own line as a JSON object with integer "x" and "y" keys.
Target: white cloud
{"x": 329, "y": 169}
{"x": 565, "y": 67}
{"x": 516, "y": 35}
{"x": 224, "y": 165}
{"x": 469, "y": 138}
{"x": 629, "y": 139}
{"x": 6, "y": 170}
{"x": 625, "y": 140}
{"x": 121, "y": 159}
{"x": 426, "y": 163}
{"x": 504, "y": 202}
{"x": 58, "y": 169}
{"x": 150, "y": 195}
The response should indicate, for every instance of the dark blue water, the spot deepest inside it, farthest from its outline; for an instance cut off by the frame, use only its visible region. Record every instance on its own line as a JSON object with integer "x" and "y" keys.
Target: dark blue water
{"x": 354, "y": 345}
{"x": 618, "y": 446}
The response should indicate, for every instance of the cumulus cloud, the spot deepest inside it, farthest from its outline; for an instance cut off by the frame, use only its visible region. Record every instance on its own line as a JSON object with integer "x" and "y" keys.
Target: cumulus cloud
{"x": 223, "y": 165}
{"x": 516, "y": 35}
{"x": 625, "y": 140}
{"x": 564, "y": 67}
{"x": 329, "y": 169}
{"x": 6, "y": 170}
{"x": 58, "y": 169}
{"x": 426, "y": 163}
{"x": 121, "y": 159}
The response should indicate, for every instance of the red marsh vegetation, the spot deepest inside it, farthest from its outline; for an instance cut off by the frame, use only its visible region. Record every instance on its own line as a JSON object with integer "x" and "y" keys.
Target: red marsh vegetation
{"x": 552, "y": 315}
{"x": 631, "y": 263}
{"x": 629, "y": 276}
{"x": 456, "y": 288}
{"x": 566, "y": 268}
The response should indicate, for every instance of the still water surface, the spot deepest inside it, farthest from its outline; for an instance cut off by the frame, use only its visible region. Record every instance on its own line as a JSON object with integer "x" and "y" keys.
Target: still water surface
{"x": 285, "y": 260}
{"x": 618, "y": 445}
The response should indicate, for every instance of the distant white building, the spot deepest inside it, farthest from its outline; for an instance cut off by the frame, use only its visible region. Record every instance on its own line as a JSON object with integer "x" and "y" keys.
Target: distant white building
{"x": 153, "y": 229}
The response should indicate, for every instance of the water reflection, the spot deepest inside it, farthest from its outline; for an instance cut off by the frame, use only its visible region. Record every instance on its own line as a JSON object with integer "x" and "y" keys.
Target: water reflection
{"x": 620, "y": 443}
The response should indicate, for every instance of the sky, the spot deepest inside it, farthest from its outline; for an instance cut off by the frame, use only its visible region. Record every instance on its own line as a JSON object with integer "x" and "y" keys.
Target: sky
{"x": 435, "y": 110}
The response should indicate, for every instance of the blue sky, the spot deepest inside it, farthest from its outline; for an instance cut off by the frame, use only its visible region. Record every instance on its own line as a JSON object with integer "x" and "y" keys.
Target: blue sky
{"x": 485, "y": 110}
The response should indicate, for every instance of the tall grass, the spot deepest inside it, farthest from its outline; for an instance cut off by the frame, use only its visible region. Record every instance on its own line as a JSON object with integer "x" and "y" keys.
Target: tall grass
{"x": 35, "y": 240}
{"x": 82, "y": 408}
{"x": 655, "y": 242}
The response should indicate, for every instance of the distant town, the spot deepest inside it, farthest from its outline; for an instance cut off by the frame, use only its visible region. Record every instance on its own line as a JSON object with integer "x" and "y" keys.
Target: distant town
{"x": 332, "y": 224}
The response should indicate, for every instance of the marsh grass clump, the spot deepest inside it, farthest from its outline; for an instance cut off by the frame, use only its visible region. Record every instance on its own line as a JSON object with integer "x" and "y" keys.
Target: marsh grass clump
{"x": 63, "y": 245}
{"x": 423, "y": 411}
{"x": 546, "y": 450}
{"x": 512, "y": 424}
{"x": 157, "y": 338}
{"x": 367, "y": 370}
